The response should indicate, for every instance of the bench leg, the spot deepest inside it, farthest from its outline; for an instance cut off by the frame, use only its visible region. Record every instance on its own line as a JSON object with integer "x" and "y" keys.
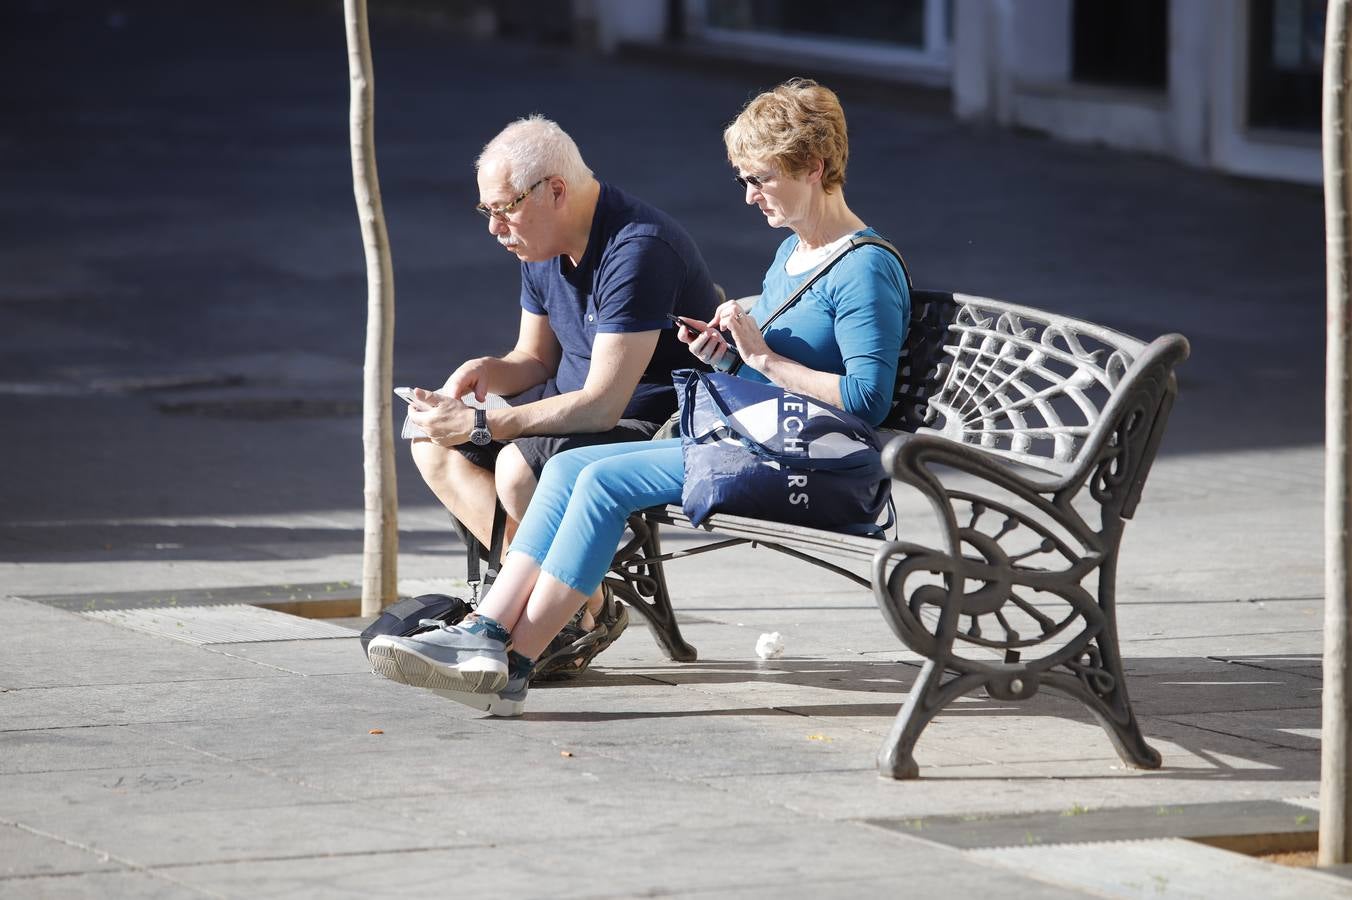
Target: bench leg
{"x": 643, "y": 585}
{"x": 1096, "y": 678}
{"x": 927, "y": 697}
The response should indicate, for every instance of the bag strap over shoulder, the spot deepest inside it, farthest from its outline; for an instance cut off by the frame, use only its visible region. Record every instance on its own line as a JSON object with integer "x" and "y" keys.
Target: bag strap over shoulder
{"x": 858, "y": 240}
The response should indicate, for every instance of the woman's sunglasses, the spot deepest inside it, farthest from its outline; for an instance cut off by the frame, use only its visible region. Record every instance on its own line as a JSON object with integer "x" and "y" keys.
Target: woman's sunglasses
{"x": 756, "y": 181}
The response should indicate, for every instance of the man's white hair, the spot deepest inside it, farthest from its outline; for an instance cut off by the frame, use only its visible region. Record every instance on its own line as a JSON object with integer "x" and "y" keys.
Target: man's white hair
{"x": 535, "y": 148}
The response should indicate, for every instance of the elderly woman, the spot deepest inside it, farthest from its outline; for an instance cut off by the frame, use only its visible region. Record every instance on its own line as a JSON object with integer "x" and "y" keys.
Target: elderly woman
{"x": 839, "y": 343}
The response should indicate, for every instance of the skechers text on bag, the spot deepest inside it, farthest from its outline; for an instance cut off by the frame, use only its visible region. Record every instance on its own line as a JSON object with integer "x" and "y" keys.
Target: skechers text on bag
{"x": 754, "y": 449}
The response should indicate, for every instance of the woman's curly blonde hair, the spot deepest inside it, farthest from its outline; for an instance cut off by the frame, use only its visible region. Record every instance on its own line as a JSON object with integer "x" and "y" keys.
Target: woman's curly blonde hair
{"x": 794, "y": 125}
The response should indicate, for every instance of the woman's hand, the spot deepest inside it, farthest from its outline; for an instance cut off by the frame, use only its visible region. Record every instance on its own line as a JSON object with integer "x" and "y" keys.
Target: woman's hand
{"x": 704, "y": 341}
{"x": 746, "y": 334}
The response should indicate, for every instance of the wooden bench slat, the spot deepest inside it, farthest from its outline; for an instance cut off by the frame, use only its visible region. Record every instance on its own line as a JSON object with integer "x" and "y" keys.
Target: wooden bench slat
{"x": 795, "y": 536}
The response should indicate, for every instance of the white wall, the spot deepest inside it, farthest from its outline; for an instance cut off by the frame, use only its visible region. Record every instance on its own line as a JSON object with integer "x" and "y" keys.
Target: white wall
{"x": 618, "y": 21}
{"x": 1042, "y": 41}
{"x": 1191, "y": 25}
{"x": 1012, "y": 65}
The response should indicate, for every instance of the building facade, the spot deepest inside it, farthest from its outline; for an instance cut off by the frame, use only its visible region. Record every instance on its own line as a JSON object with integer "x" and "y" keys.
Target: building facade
{"x": 1232, "y": 85}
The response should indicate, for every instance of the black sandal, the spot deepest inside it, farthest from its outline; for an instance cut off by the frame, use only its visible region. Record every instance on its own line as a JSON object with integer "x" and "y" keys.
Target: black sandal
{"x": 574, "y": 647}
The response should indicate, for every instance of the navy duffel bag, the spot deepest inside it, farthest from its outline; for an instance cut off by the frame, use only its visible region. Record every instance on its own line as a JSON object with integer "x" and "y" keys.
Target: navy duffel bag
{"x": 405, "y": 618}
{"x": 754, "y": 449}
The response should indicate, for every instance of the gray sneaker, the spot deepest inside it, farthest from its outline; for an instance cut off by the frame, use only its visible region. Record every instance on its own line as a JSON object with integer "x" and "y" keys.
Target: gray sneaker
{"x": 510, "y": 701}
{"x": 448, "y": 658}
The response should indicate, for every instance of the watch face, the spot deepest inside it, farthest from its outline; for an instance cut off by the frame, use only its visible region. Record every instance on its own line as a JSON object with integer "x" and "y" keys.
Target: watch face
{"x": 480, "y": 435}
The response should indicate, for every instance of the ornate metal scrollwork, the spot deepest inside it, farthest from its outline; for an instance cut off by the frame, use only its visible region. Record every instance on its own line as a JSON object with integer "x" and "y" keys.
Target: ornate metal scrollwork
{"x": 1023, "y": 593}
{"x": 1087, "y": 666}
{"x": 1025, "y": 384}
{"x": 1018, "y": 588}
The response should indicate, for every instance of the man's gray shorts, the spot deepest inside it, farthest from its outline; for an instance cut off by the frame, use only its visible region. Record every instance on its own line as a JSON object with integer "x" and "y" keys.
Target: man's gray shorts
{"x": 537, "y": 449}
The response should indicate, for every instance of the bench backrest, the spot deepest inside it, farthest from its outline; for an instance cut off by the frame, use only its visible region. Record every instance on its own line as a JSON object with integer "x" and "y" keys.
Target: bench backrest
{"x": 1012, "y": 380}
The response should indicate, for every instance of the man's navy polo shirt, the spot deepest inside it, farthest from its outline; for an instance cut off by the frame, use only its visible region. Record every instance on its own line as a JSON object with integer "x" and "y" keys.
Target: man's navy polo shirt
{"x": 639, "y": 265}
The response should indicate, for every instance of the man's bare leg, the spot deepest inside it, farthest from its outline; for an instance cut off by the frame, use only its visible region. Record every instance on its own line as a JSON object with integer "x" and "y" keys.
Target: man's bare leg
{"x": 462, "y": 487}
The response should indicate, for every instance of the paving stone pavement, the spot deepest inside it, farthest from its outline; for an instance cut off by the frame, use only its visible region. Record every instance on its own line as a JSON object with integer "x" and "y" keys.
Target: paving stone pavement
{"x": 181, "y": 302}
{"x": 139, "y": 764}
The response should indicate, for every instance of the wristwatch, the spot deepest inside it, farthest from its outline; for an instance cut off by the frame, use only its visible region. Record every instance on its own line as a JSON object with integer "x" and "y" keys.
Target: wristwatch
{"x": 480, "y": 436}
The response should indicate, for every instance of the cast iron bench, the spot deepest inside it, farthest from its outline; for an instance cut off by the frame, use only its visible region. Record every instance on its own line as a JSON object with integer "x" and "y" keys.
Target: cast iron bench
{"x": 1050, "y": 425}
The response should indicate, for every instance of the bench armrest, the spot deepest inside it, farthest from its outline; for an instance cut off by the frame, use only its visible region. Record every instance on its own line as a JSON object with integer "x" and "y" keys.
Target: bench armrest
{"x": 913, "y": 459}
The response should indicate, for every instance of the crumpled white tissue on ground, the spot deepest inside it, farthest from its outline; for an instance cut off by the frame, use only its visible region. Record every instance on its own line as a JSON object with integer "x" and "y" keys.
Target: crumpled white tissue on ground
{"x": 770, "y": 645}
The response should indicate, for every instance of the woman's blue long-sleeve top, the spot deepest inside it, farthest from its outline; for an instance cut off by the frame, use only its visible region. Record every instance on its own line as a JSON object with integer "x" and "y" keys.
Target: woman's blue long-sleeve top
{"x": 851, "y": 322}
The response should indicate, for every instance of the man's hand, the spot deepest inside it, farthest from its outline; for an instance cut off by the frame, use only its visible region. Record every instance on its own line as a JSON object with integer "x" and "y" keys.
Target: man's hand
{"x": 471, "y": 377}
{"x": 444, "y": 419}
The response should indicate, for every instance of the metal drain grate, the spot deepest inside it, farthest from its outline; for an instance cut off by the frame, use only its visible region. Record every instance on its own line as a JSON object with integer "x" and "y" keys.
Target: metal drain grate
{"x": 232, "y": 624}
{"x": 1226, "y": 822}
{"x": 171, "y": 600}
{"x": 263, "y": 409}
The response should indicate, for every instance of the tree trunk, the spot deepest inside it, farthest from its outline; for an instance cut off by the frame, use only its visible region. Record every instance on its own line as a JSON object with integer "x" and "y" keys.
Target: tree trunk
{"x": 1335, "y": 799}
{"x": 381, "y": 546}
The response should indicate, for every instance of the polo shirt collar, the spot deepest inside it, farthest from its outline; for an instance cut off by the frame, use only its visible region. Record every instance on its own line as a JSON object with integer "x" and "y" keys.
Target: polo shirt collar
{"x": 580, "y": 276}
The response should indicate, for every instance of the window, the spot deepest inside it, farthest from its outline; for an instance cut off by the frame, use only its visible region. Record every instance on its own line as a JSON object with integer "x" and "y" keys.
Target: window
{"x": 1121, "y": 42}
{"x": 1286, "y": 61}
{"x": 899, "y": 22}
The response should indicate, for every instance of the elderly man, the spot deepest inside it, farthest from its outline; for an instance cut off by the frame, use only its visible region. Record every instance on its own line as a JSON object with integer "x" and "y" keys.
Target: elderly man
{"x": 600, "y": 273}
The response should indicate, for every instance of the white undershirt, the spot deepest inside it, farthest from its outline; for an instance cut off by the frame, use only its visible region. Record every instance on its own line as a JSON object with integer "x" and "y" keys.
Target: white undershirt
{"x": 801, "y": 261}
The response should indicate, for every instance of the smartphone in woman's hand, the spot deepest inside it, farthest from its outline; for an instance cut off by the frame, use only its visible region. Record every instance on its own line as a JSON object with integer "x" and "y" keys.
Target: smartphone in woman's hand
{"x": 692, "y": 324}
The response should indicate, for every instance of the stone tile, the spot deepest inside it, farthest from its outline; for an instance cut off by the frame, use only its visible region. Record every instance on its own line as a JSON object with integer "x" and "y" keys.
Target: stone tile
{"x": 791, "y": 680}
{"x": 99, "y": 886}
{"x": 74, "y": 749}
{"x": 447, "y": 768}
{"x": 1153, "y": 666}
{"x": 202, "y": 785}
{"x": 256, "y": 828}
{"x": 802, "y": 859}
{"x": 329, "y": 657}
{"x": 128, "y": 702}
{"x": 1057, "y": 785}
{"x": 25, "y": 855}
{"x": 1239, "y": 689}
{"x": 334, "y": 718}
{"x": 1307, "y": 665}
{"x": 1297, "y": 729}
{"x": 641, "y": 803}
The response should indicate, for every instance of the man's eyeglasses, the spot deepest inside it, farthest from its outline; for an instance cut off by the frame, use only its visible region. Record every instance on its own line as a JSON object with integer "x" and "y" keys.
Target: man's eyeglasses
{"x": 502, "y": 212}
{"x": 756, "y": 181}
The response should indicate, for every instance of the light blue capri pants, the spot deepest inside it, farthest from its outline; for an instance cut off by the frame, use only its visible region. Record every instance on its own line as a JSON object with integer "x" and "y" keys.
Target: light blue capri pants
{"x": 584, "y": 498}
